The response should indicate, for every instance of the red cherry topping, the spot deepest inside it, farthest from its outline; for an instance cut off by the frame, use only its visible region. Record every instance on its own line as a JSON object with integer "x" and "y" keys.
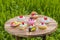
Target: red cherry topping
{"x": 42, "y": 23}
{"x": 32, "y": 24}
{"x": 23, "y": 23}
{"x": 45, "y": 18}
{"x": 21, "y": 16}
{"x": 33, "y": 14}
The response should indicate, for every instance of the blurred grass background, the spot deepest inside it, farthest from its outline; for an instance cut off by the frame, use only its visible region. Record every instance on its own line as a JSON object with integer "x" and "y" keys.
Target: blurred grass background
{"x": 12, "y": 8}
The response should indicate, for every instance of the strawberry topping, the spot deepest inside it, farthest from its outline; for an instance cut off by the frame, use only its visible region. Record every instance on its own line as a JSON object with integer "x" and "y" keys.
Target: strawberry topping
{"x": 23, "y": 23}
{"x": 32, "y": 24}
{"x": 42, "y": 23}
{"x": 45, "y": 18}
{"x": 20, "y": 16}
{"x": 33, "y": 14}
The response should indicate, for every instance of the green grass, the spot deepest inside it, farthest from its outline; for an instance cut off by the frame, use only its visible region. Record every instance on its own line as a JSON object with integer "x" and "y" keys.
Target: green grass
{"x": 12, "y": 8}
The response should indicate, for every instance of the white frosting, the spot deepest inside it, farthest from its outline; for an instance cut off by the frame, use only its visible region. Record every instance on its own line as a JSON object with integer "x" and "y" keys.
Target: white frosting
{"x": 36, "y": 15}
{"x": 45, "y": 21}
{"x": 21, "y": 19}
{"x": 31, "y": 26}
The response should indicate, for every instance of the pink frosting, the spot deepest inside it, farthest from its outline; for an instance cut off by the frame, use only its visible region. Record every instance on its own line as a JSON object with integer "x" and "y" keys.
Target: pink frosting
{"x": 31, "y": 21}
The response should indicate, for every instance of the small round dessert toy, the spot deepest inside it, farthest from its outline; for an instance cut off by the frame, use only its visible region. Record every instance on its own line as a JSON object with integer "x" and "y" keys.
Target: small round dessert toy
{"x": 15, "y": 24}
{"x": 32, "y": 28}
{"x": 45, "y": 20}
{"x": 23, "y": 26}
{"x": 34, "y": 15}
{"x": 42, "y": 26}
{"x": 21, "y": 18}
{"x": 31, "y": 21}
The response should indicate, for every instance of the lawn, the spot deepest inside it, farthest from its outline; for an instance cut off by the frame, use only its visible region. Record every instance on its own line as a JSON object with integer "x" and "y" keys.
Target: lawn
{"x": 12, "y": 8}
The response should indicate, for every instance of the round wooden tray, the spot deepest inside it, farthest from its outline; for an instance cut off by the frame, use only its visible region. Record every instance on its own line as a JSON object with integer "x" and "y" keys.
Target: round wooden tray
{"x": 24, "y": 33}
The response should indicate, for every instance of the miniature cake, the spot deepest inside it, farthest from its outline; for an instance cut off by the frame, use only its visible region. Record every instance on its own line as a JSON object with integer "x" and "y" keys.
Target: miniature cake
{"x": 42, "y": 26}
{"x": 21, "y": 18}
{"x": 15, "y": 24}
{"x": 34, "y": 15}
{"x": 31, "y": 21}
{"x": 32, "y": 28}
{"x": 45, "y": 20}
{"x": 22, "y": 26}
